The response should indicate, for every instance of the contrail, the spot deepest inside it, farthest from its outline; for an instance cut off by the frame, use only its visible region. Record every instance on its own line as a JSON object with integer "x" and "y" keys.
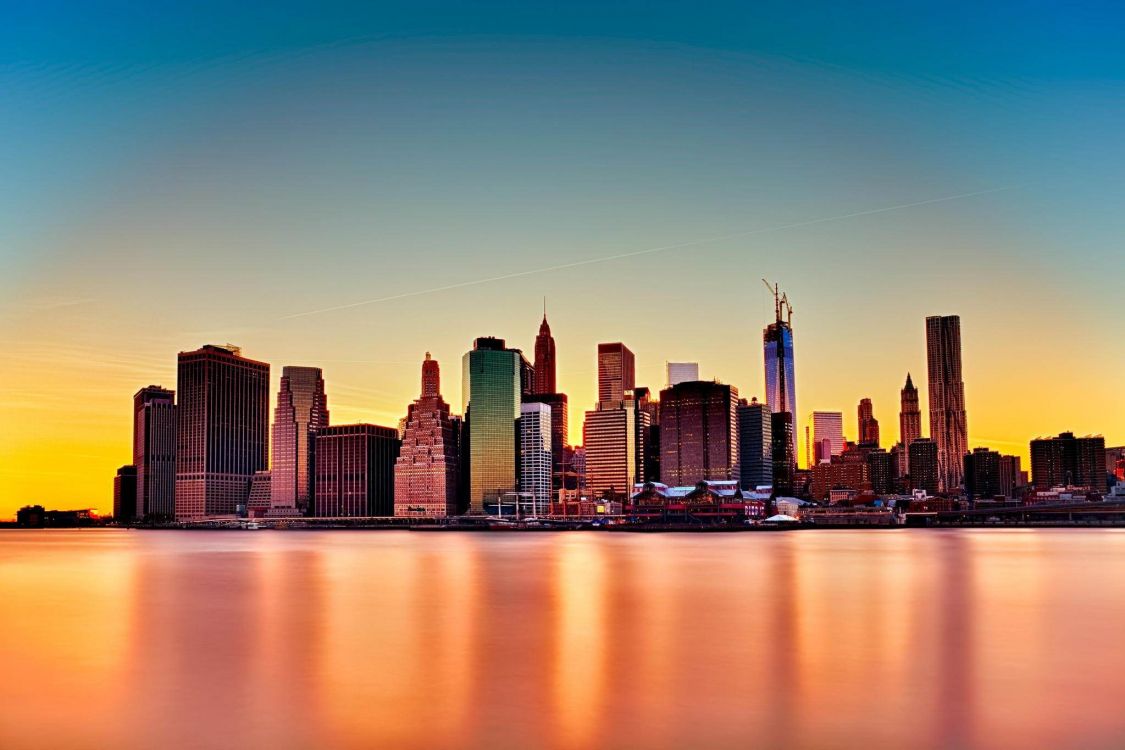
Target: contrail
{"x": 645, "y": 251}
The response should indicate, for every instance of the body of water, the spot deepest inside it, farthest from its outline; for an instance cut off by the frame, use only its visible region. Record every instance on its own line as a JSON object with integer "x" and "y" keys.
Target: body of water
{"x": 353, "y": 639}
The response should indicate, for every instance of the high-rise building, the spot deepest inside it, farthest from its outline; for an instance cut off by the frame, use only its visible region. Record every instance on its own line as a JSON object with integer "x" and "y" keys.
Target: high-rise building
{"x": 982, "y": 474}
{"x": 824, "y": 437}
{"x": 682, "y": 372}
{"x": 125, "y": 494}
{"x": 544, "y": 359}
{"x": 355, "y": 470}
{"x": 755, "y": 445}
{"x": 536, "y": 467}
{"x": 559, "y": 432}
{"x": 302, "y": 409}
{"x": 616, "y": 372}
{"x": 648, "y": 435}
{"x": 948, "y": 421}
{"x": 1010, "y": 474}
{"x": 784, "y": 461}
{"x": 882, "y": 471}
{"x": 924, "y": 465}
{"x": 492, "y": 386}
{"x": 154, "y": 452}
{"x": 909, "y": 420}
{"x": 781, "y": 377}
{"x": 427, "y": 469}
{"x": 260, "y": 497}
{"x": 868, "y": 424}
{"x": 609, "y": 438}
{"x": 1069, "y": 461}
{"x": 698, "y": 433}
{"x": 222, "y": 427}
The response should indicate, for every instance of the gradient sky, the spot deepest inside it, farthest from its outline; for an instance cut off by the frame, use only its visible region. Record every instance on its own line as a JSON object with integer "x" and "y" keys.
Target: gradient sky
{"x": 175, "y": 176}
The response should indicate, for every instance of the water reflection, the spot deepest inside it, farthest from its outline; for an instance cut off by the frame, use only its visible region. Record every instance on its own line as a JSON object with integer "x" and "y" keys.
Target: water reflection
{"x": 988, "y": 639}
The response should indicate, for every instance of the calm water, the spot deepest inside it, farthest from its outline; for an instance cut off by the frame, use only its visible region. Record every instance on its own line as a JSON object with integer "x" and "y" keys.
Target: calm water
{"x": 989, "y": 639}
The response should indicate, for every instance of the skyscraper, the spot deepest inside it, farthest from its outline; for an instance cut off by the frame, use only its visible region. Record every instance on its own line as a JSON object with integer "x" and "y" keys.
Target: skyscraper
{"x": 948, "y": 423}
{"x": 535, "y": 458}
{"x": 755, "y": 445}
{"x": 302, "y": 409}
{"x": 909, "y": 420}
{"x": 427, "y": 469}
{"x": 154, "y": 452}
{"x": 924, "y": 465}
{"x": 698, "y": 433}
{"x": 492, "y": 385}
{"x": 125, "y": 494}
{"x": 784, "y": 463}
{"x": 544, "y": 359}
{"x": 222, "y": 427}
{"x": 868, "y": 424}
{"x": 824, "y": 437}
{"x": 1069, "y": 461}
{"x": 781, "y": 378}
{"x": 616, "y": 372}
{"x": 982, "y": 474}
{"x": 609, "y": 437}
{"x": 881, "y": 471}
{"x": 682, "y": 372}
{"x": 355, "y": 470}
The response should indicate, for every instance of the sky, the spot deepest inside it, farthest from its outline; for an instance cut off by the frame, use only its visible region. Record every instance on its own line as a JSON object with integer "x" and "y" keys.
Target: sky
{"x": 174, "y": 176}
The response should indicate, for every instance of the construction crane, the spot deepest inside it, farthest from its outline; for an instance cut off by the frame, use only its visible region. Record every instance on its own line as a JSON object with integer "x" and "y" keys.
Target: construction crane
{"x": 780, "y": 301}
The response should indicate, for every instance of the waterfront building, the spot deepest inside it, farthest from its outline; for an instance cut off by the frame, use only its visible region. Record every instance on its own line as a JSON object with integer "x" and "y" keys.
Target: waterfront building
{"x": 982, "y": 474}
{"x": 222, "y": 428}
{"x": 948, "y": 420}
{"x": 125, "y": 494}
{"x": 493, "y": 379}
{"x": 1011, "y": 476}
{"x": 154, "y": 452}
{"x": 616, "y": 373}
{"x": 609, "y": 438}
{"x": 259, "y": 499}
{"x": 924, "y": 465}
{"x": 909, "y": 421}
{"x": 536, "y": 468}
{"x": 1069, "y": 461}
{"x": 824, "y": 437}
{"x": 355, "y": 470}
{"x": 302, "y": 409}
{"x": 427, "y": 469}
{"x": 559, "y": 432}
{"x": 784, "y": 460}
{"x": 755, "y": 445}
{"x": 1115, "y": 465}
{"x": 882, "y": 471}
{"x": 648, "y": 435}
{"x": 868, "y": 424}
{"x": 849, "y": 471}
{"x": 781, "y": 377}
{"x": 682, "y": 372}
{"x": 698, "y": 433}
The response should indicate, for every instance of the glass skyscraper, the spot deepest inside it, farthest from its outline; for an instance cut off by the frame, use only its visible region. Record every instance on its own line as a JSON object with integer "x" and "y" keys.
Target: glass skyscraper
{"x": 491, "y": 390}
{"x": 781, "y": 380}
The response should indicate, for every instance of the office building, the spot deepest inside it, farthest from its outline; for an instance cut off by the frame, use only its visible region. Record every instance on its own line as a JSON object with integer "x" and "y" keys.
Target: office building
{"x": 824, "y": 437}
{"x": 609, "y": 438}
{"x": 536, "y": 467}
{"x": 868, "y": 424}
{"x": 354, "y": 474}
{"x": 849, "y": 471}
{"x": 909, "y": 421}
{"x": 493, "y": 378}
{"x": 982, "y": 474}
{"x": 698, "y": 433}
{"x": 948, "y": 420}
{"x": 302, "y": 409}
{"x": 755, "y": 445}
{"x": 781, "y": 377}
{"x": 784, "y": 460}
{"x": 648, "y": 435}
{"x": 616, "y": 372}
{"x": 924, "y": 465}
{"x": 222, "y": 427}
{"x": 882, "y": 471}
{"x": 125, "y": 494}
{"x": 1069, "y": 461}
{"x": 544, "y": 359}
{"x": 682, "y": 372}
{"x": 154, "y": 452}
{"x": 427, "y": 470}
{"x": 260, "y": 497}
{"x": 1011, "y": 476}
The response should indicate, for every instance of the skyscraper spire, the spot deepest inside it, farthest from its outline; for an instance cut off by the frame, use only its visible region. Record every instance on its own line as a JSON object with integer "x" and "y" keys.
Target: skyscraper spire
{"x": 544, "y": 357}
{"x": 431, "y": 378}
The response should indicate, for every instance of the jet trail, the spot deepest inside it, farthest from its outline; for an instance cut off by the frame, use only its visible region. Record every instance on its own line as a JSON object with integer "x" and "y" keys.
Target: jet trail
{"x": 645, "y": 251}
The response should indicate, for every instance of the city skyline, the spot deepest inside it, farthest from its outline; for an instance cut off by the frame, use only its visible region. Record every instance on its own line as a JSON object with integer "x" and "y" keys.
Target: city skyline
{"x": 221, "y": 174}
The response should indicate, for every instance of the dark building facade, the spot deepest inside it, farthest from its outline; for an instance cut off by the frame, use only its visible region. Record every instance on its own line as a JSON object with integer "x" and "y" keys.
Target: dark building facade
{"x": 125, "y": 494}
{"x": 882, "y": 471}
{"x": 868, "y": 424}
{"x": 544, "y": 380}
{"x": 909, "y": 420}
{"x": 698, "y": 433}
{"x": 154, "y": 452}
{"x": 982, "y": 474}
{"x": 1069, "y": 461}
{"x": 355, "y": 466}
{"x": 222, "y": 426}
{"x": 784, "y": 457}
{"x": 924, "y": 465}
{"x": 755, "y": 445}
